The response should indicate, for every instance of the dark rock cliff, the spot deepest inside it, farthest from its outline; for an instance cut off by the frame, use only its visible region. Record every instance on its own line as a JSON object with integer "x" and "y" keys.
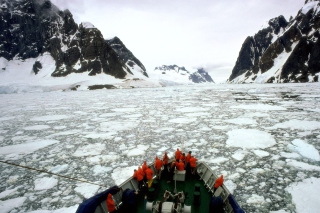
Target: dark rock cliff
{"x": 198, "y": 76}
{"x": 29, "y": 28}
{"x": 282, "y": 52}
{"x": 126, "y": 55}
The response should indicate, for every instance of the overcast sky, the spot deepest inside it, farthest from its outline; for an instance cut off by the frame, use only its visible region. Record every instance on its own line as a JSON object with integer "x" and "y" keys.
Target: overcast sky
{"x": 199, "y": 33}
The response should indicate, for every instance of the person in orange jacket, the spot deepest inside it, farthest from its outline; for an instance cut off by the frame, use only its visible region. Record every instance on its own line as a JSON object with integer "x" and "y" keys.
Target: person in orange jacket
{"x": 218, "y": 183}
{"x": 158, "y": 164}
{"x": 187, "y": 161}
{"x": 144, "y": 168}
{"x": 183, "y": 157}
{"x": 165, "y": 160}
{"x": 178, "y": 154}
{"x": 193, "y": 164}
{"x": 110, "y": 204}
{"x": 138, "y": 175}
{"x": 149, "y": 175}
{"x": 180, "y": 165}
{"x": 141, "y": 171}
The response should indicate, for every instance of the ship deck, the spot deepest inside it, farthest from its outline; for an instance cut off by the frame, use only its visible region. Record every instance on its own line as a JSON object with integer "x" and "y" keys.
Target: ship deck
{"x": 187, "y": 187}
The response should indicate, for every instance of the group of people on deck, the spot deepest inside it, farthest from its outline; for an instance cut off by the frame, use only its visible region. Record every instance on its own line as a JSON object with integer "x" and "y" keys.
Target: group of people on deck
{"x": 181, "y": 161}
{"x": 144, "y": 173}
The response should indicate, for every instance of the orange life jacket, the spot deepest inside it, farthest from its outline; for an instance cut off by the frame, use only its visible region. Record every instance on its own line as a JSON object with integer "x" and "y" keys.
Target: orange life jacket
{"x": 149, "y": 174}
{"x": 137, "y": 175}
{"x": 178, "y": 154}
{"x": 165, "y": 159}
{"x": 180, "y": 166}
{"x": 110, "y": 203}
{"x": 192, "y": 162}
{"x": 188, "y": 158}
{"x": 158, "y": 164}
{"x": 144, "y": 166}
{"x": 218, "y": 182}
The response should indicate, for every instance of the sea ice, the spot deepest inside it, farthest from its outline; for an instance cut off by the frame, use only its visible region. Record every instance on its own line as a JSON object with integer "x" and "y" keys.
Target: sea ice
{"x": 280, "y": 211}
{"x": 230, "y": 185}
{"x": 255, "y": 199}
{"x": 117, "y": 126}
{"x": 8, "y": 205}
{"x": 119, "y": 175}
{"x": 302, "y": 165}
{"x": 139, "y": 150}
{"x": 258, "y": 107}
{"x": 183, "y": 120}
{"x": 304, "y": 149}
{"x": 297, "y": 124}
{"x": 70, "y": 209}
{"x": 9, "y": 192}
{"x": 290, "y": 155}
{"x": 45, "y": 183}
{"x": 261, "y": 153}
{"x": 192, "y": 109}
{"x": 59, "y": 168}
{"x": 216, "y": 160}
{"x": 98, "y": 169}
{"x": 86, "y": 190}
{"x": 299, "y": 190}
{"x": 26, "y": 148}
{"x": 89, "y": 150}
{"x": 249, "y": 139}
{"x": 109, "y": 135}
{"x": 50, "y": 118}
{"x": 37, "y": 127}
{"x": 242, "y": 121}
{"x": 106, "y": 136}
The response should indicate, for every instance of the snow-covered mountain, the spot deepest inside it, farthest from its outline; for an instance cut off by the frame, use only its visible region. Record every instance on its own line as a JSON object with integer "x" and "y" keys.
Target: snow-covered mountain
{"x": 175, "y": 75}
{"x": 283, "y": 51}
{"x": 43, "y": 46}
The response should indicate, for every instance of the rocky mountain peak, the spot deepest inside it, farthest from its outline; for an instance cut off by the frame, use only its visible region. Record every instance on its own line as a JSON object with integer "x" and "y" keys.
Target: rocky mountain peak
{"x": 308, "y": 1}
{"x": 126, "y": 56}
{"x": 169, "y": 72}
{"x": 171, "y": 68}
{"x": 31, "y": 28}
{"x": 278, "y": 23}
{"x": 283, "y": 51}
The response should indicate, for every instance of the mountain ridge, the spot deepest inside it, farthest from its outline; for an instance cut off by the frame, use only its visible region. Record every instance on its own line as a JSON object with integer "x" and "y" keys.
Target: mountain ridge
{"x": 36, "y": 32}
{"x": 168, "y": 74}
{"x": 283, "y": 52}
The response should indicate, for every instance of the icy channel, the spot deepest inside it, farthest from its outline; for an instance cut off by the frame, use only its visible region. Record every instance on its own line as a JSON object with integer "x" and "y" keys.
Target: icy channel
{"x": 264, "y": 139}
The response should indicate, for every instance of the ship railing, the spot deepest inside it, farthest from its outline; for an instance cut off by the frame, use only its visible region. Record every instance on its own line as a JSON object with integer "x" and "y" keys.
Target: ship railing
{"x": 209, "y": 177}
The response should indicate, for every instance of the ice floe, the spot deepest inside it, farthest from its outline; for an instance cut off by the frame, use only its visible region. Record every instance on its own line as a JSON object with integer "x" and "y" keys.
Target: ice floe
{"x": 304, "y": 149}
{"x": 37, "y": 127}
{"x": 50, "y": 118}
{"x": 302, "y": 165}
{"x": 8, "y": 205}
{"x": 258, "y": 107}
{"x": 22, "y": 149}
{"x": 45, "y": 183}
{"x": 120, "y": 174}
{"x": 297, "y": 124}
{"x": 139, "y": 150}
{"x": 249, "y": 139}
{"x": 299, "y": 192}
{"x": 86, "y": 190}
{"x": 89, "y": 150}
